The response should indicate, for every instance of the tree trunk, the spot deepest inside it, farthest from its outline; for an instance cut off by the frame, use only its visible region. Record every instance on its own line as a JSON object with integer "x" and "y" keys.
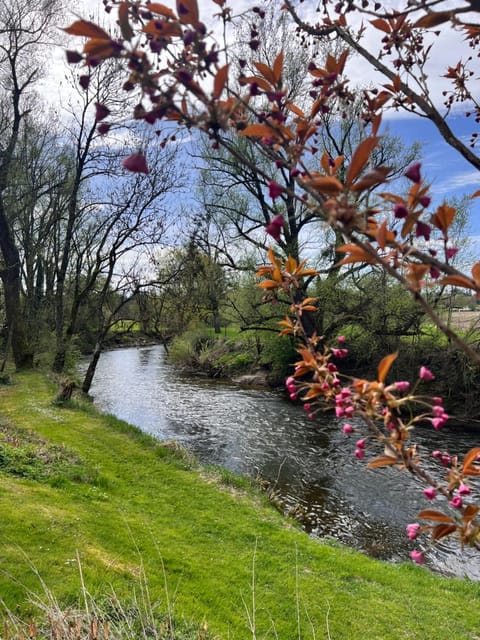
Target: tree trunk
{"x": 92, "y": 367}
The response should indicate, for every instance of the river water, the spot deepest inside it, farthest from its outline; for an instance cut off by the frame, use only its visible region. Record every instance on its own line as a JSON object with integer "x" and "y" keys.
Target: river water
{"x": 309, "y": 465}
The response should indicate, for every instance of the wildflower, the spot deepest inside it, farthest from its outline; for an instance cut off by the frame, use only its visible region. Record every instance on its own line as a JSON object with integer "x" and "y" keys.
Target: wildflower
{"x": 413, "y": 530}
{"x": 417, "y": 556}
{"x": 430, "y": 493}
{"x": 426, "y": 374}
{"x": 135, "y": 163}
{"x": 456, "y": 502}
{"x": 274, "y": 189}
{"x": 464, "y": 489}
{"x": 402, "y": 385}
{"x": 274, "y": 227}
{"x": 413, "y": 172}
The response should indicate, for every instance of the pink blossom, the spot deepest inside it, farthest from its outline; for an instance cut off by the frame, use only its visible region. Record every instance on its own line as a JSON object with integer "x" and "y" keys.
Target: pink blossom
{"x": 436, "y": 454}
{"x": 437, "y": 400}
{"x": 311, "y": 416}
{"x": 423, "y": 229}
{"x": 424, "y": 201}
{"x": 456, "y": 502}
{"x": 464, "y": 489}
{"x": 413, "y": 172}
{"x": 293, "y": 396}
{"x": 341, "y": 339}
{"x": 417, "y": 556}
{"x": 339, "y": 412}
{"x": 413, "y": 530}
{"x": 359, "y": 454}
{"x": 347, "y": 428}
{"x": 438, "y": 423}
{"x": 274, "y": 189}
{"x": 307, "y": 406}
{"x": 101, "y": 111}
{"x": 426, "y": 374}
{"x": 402, "y": 386}
{"x": 400, "y": 210}
{"x": 430, "y": 493}
{"x": 274, "y": 227}
{"x": 135, "y": 163}
{"x": 360, "y": 444}
{"x": 451, "y": 252}
{"x": 290, "y": 381}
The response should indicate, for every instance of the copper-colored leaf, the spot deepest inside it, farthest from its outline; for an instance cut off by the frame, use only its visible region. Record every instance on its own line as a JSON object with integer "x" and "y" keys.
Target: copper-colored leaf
{"x": 325, "y": 184}
{"x": 458, "y": 281}
{"x": 382, "y": 25}
{"x": 371, "y": 179}
{"x": 442, "y": 530}
{"x": 360, "y": 158}
{"x": 99, "y": 47}
{"x": 260, "y": 82}
{"x": 443, "y": 217}
{"x": 470, "y": 457}
{"x": 384, "y": 366}
{"x": 220, "y": 81}
{"x": 162, "y": 28}
{"x": 476, "y": 194}
{"x": 268, "y": 284}
{"x": 87, "y": 29}
{"x": 355, "y": 254}
{"x": 188, "y": 11}
{"x": 266, "y": 72}
{"x": 278, "y": 68}
{"x": 433, "y": 19}
{"x": 162, "y": 10}
{"x": 258, "y": 131}
{"x": 290, "y": 264}
{"x": 470, "y": 512}
{"x": 436, "y": 516}
{"x": 125, "y": 28}
{"x": 381, "y": 461}
{"x": 476, "y": 273}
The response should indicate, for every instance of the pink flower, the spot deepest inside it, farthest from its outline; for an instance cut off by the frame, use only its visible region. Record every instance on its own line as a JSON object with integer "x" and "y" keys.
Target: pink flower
{"x": 307, "y": 406}
{"x": 341, "y": 339}
{"x": 464, "y": 489}
{"x": 413, "y": 530}
{"x": 451, "y": 252}
{"x": 456, "y": 502}
{"x": 361, "y": 444}
{"x": 430, "y": 493}
{"x": 400, "y": 210}
{"x": 424, "y": 201}
{"x": 293, "y": 396}
{"x": 402, "y": 386}
{"x": 135, "y": 163}
{"x": 101, "y": 111}
{"x": 347, "y": 428}
{"x": 423, "y": 230}
{"x": 413, "y": 172}
{"x": 274, "y": 189}
{"x": 274, "y": 227}
{"x": 426, "y": 374}
{"x": 438, "y": 423}
{"x": 417, "y": 556}
{"x": 359, "y": 454}
{"x": 339, "y": 412}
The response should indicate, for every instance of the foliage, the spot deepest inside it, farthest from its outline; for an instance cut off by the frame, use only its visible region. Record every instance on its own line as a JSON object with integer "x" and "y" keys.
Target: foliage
{"x": 400, "y": 235}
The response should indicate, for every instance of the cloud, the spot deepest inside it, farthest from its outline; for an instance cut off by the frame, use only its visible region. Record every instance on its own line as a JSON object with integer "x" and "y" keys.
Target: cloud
{"x": 464, "y": 180}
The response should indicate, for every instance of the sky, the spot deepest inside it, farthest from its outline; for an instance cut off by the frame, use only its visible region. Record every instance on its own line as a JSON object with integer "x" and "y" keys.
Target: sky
{"x": 447, "y": 172}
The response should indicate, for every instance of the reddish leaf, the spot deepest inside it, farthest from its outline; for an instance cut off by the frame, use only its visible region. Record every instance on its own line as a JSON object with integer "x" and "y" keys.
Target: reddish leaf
{"x": 325, "y": 184}
{"x": 296, "y": 110}
{"x": 87, "y": 29}
{"x": 258, "y": 130}
{"x": 266, "y": 72}
{"x": 436, "y": 516}
{"x": 99, "y": 47}
{"x": 278, "y": 68}
{"x": 476, "y": 194}
{"x": 443, "y": 217}
{"x": 162, "y": 10}
{"x": 220, "y": 81}
{"x": 384, "y": 366}
{"x": 268, "y": 284}
{"x": 360, "y": 157}
{"x": 260, "y": 82}
{"x": 470, "y": 512}
{"x": 125, "y": 28}
{"x": 161, "y": 28}
{"x": 433, "y": 19}
{"x": 476, "y": 273}
{"x": 188, "y": 11}
{"x": 442, "y": 530}
{"x": 355, "y": 254}
{"x": 381, "y": 24}
{"x": 381, "y": 461}
{"x": 470, "y": 457}
{"x": 458, "y": 281}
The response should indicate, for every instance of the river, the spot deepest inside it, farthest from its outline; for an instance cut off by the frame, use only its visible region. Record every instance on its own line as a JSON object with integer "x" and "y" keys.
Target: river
{"x": 308, "y": 464}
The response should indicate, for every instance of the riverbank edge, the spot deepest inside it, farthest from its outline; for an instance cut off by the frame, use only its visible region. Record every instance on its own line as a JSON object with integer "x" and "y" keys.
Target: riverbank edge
{"x": 227, "y": 521}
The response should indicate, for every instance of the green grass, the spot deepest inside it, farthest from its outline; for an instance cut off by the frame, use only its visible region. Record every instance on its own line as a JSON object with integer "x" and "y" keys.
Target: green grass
{"x": 126, "y": 505}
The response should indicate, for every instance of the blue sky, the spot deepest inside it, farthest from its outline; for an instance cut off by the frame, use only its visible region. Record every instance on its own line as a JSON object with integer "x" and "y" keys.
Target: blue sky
{"x": 443, "y": 167}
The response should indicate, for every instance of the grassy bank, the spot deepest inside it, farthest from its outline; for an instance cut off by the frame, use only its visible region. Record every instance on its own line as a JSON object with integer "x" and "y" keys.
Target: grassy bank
{"x": 77, "y": 486}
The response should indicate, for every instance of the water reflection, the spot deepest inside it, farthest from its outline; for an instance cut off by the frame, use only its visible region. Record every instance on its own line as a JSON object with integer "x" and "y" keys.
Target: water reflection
{"x": 309, "y": 464}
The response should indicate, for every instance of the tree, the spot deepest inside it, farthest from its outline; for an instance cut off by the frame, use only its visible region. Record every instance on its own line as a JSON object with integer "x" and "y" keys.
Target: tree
{"x": 24, "y": 32}
{"x": 287, "y": 134}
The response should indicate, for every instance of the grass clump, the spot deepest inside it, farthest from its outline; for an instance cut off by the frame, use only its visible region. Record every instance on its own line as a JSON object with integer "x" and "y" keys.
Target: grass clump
{"x": 213, "y": 549}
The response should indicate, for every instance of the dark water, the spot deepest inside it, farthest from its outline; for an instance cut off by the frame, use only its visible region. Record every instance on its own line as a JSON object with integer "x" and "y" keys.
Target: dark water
{"x": 309, "y": 465}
